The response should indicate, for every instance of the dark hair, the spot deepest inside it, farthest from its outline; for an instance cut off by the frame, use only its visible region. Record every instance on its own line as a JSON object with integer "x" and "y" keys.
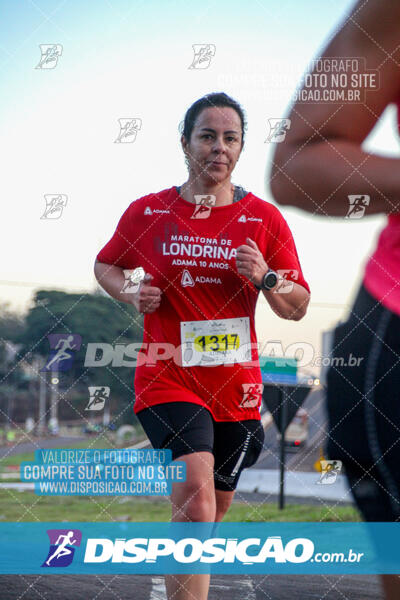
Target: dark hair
{"x": 209, "y": 101}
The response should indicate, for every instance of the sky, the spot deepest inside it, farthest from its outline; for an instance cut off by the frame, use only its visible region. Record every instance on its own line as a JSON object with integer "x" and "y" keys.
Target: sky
{"x": 127, "y": 59}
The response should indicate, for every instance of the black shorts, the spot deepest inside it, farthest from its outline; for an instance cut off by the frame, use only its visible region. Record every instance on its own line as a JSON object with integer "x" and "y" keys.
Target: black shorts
{"x": 185, "y": 427}
{"x": 364, "y": 407}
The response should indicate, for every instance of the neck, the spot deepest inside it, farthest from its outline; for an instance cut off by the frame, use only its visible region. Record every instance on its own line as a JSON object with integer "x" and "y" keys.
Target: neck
{"x": 223, "y": 192}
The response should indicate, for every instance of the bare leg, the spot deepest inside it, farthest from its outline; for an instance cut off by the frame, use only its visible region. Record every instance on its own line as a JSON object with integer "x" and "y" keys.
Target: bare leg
{"x": 223, "y": 500}
{"x": 391, "y": 586}
{"x": 193, "y": 500}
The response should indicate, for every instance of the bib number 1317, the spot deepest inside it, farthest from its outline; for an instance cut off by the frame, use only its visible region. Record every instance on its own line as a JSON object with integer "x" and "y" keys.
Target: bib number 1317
{"x": 217, "y": 343}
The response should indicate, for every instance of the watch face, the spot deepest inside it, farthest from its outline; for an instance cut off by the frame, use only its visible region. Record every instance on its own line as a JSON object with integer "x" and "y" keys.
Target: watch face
{"x": 270, "y": 280}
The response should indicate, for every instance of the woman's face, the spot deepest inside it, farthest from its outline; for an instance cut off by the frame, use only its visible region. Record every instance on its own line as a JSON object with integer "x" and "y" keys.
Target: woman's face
{"x": 215, "y": 144}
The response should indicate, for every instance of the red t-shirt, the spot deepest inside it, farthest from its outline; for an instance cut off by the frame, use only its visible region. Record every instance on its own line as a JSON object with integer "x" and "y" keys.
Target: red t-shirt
{"x": 204, "y": 326}
{"x": 382, "y": 272}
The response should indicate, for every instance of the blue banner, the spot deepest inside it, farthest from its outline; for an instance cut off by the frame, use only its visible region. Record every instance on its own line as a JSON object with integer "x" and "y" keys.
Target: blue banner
{"x": 159, "y": 548}
{"x": 72, "y": 472}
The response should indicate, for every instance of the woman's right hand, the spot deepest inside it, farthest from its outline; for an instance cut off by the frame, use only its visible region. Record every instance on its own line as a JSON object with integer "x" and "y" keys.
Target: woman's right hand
{"x": 148, "y": 298}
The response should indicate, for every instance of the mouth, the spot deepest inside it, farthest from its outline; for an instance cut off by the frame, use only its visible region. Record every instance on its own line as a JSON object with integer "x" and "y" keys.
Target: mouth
{"x": 217, "y": 162}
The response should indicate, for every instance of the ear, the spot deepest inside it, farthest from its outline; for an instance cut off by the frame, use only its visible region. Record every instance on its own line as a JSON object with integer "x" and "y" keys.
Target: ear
{"x": 184, "y": 143}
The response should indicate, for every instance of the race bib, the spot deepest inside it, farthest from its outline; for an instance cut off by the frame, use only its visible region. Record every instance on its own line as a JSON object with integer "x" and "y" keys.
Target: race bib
{"x": 211, "y": 343}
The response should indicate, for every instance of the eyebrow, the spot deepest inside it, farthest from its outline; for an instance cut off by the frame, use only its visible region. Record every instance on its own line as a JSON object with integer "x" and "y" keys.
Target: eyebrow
{"x": 213, "y": 130}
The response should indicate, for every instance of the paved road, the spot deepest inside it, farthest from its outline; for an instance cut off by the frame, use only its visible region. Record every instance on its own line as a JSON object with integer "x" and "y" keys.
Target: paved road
{"x": 228, "y": 587}
{"x": 25, "y": 446}
{"x": 301, "y": 459}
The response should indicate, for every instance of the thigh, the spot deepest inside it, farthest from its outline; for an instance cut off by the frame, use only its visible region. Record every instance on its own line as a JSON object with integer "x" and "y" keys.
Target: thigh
{"x": 237, "y": 446}
{"x": 182, "y": 427}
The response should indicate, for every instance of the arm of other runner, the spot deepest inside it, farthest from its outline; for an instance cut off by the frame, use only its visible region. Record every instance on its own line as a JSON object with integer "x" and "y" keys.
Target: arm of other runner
{"x": 321, "y": 161}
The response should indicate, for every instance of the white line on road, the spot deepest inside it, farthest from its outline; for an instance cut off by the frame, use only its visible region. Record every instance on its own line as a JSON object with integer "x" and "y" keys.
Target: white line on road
{"x": 245, "y": 588}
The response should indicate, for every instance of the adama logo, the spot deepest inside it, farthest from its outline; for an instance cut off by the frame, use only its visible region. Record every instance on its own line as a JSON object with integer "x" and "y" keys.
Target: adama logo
{"x": 244, "y": 219}
{"x": 186, "y": 279}
{"x": 148, "y": 211}
{"x": 62, "y": 547}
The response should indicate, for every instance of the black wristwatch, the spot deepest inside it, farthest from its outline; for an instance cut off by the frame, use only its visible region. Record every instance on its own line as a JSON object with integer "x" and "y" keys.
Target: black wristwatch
{"x": 269, "y": 280}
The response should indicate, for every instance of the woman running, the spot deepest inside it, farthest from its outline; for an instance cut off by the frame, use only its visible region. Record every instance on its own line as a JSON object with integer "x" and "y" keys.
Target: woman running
{"x": 207, "y": 248}
{"x": 323, "y": 169}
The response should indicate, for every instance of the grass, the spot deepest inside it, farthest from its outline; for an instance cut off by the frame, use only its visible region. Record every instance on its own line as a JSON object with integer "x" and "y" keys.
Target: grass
{"x": 27, "y": 506}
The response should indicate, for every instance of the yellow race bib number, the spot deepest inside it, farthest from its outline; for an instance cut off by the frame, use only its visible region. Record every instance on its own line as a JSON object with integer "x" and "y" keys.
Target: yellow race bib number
{"x": 217, "y": 343}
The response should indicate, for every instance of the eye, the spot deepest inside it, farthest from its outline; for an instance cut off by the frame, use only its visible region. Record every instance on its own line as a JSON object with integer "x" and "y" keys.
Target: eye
{"x": 206, "y": 135}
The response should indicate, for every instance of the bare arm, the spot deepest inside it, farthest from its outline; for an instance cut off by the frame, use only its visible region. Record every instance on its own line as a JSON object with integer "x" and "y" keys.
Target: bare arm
{"x": 292, "y": 305}
{"x": 111, "y": 278}
{"x": 321, "y": 161}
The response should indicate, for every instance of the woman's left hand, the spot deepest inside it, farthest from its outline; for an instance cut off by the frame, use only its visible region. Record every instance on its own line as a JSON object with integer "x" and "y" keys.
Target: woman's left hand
{"x": 250, "y": 262}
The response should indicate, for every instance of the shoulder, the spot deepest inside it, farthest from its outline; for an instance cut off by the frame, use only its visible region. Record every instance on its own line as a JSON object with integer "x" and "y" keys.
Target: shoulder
{"x": 152, "y": 200}
{"x": 265, "y": 209}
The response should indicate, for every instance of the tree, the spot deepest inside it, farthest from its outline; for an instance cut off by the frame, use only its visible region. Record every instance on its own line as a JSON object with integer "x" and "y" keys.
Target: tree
{"x": 95, "y": 318}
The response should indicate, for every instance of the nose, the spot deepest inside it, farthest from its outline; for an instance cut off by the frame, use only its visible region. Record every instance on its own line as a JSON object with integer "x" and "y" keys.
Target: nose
{"x": 219, "y": 145}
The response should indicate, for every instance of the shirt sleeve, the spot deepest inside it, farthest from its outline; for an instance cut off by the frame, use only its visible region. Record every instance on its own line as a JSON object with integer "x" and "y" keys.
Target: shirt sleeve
{"x": 120, "y": 250}
{"x": 282, "y": 254}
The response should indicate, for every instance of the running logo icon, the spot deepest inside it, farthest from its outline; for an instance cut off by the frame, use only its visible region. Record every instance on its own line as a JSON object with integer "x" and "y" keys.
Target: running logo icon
{"x": 330, "y": 469}
{"x": 203, "y": 54}
{"x": 97, "y": 397}
{"x": 278, "y": 129}
{"x": 128, "y": 129}
{"x": 286, "y": 285}
{"x": 63, "y": 346}
{"x": 204, "y": 203}
{"x": 133, "y": 278}
{"x": 55, "y": 203}
{"x": 50, "y": 54}
{"x": 62, "y": 547}
{"x": 252, "y": 393}
{"x": 358, "y": 204}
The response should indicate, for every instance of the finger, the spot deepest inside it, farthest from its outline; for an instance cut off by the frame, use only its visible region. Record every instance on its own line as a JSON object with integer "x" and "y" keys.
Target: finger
{"x": 244, "y": 270}
{"x": 150, "y": 308}
{"x": 147, "y": 278}
{"x": 243, "y": 264}
{"x": 151, "y": 292}
{"x": 252, "y": 243}
{"x": 247, "y": 250}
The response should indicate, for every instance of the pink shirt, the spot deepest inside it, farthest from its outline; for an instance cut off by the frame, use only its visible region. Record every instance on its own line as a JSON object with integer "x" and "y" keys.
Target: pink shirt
{"x": 382, "y": 273}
